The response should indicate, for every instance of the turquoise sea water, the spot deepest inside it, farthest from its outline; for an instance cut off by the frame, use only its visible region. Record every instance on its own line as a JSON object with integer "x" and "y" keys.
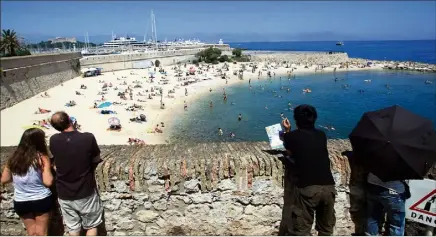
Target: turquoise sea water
{"x": 337, "y": 107}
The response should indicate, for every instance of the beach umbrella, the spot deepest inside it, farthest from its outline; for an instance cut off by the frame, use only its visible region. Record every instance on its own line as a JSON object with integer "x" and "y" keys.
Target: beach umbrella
{"x": 113, "y": 121}
{"x": 394, "y": 143}
{"x": 105, "y": 104}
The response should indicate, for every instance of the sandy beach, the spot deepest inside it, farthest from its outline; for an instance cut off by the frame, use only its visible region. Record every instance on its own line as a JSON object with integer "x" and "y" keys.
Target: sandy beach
{"x": 16, "y": 119}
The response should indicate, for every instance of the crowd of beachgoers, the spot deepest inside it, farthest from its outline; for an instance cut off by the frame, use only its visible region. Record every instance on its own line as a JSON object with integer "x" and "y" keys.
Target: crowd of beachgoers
{"x": 139, "y": 106}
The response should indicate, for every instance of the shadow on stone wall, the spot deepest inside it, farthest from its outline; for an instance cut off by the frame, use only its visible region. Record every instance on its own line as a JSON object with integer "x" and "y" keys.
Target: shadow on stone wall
{"x": 56, "y": 224}
{"x": 357, "y": 187}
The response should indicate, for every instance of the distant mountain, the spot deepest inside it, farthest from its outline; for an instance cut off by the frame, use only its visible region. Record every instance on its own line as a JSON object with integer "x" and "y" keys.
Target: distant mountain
{"x": 227, "y": 37}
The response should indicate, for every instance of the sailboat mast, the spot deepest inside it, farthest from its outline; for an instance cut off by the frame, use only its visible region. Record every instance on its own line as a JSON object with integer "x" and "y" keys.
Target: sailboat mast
{"x": 153, "y": 28}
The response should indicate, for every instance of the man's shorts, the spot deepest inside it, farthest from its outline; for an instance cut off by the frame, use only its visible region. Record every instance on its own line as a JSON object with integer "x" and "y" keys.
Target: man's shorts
{"x": 86, "y": 212}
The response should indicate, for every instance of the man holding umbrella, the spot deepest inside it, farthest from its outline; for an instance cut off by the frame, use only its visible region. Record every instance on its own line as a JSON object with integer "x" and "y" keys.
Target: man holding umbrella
{"x": 394, "y": 145}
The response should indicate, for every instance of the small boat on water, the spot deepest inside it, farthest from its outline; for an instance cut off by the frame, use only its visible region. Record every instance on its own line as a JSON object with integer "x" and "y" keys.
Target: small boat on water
{"x": 367, "y": 80}
{"x": 340, "y": 43}
{"x": 307, "y": 90}
{"x": 428, "y": 82}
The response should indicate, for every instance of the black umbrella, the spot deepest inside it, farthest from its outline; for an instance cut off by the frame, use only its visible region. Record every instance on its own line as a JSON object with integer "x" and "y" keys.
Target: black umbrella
{"x": 394, "y": 143}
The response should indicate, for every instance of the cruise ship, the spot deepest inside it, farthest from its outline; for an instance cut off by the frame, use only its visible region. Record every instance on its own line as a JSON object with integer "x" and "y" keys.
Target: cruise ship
{"x": 127, "y": 45}
{"x": 117, "y": 42}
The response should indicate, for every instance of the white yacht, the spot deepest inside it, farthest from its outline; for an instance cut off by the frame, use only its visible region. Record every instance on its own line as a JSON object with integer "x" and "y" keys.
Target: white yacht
{"x": 124, "y": 41}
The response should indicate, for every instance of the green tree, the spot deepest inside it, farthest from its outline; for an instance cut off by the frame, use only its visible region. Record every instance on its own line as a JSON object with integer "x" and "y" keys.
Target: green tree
{"x": 209, "y": 55}
{"x": 9, "y": 42}
{"x": 224, "y": 58}
{"x": 23, "y": 52}
{"x": 237, "y": 52}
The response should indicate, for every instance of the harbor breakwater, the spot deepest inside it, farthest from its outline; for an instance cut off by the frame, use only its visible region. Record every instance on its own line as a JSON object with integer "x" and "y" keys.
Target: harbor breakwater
{"x": 24, "y": 77}
{"x": 309, "y": 58}
{"x": 334, "y": 58}
{"x": 116, "y": 62}
{"x": 203, "y": 189}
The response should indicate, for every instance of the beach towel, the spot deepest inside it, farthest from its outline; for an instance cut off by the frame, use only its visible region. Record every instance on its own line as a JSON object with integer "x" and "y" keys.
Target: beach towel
{"x": 105, "y": 104}
{"x": 33, "y": 126}
{"x": 73, "y": 119}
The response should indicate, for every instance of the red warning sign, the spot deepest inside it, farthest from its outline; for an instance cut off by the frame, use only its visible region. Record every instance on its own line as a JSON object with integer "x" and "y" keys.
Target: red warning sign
{"x": 421, "y": 206}
{"x": 424, "y": 204}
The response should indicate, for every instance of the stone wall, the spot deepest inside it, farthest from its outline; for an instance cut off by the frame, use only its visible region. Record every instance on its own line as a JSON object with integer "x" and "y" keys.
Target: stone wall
{"x": 24, "y": 77}
{"x": 128, "y": 63}
{"x": 205, "y": 189}
{"x": 202, "y": 189}
{"x": 125, "y": 61}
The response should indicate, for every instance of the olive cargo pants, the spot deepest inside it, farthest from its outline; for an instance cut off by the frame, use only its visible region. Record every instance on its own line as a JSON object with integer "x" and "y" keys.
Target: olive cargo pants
{"x": 310, "y": 200}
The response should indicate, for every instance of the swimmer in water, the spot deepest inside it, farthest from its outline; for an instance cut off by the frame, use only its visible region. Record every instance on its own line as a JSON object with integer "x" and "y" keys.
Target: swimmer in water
{"x": 210, "y": 90}
{"x": 239, "y": 117}
{"x": 282, "y": 116}
{"x": 220, "y": 132}
{"x": 211, "y": 104}
{"x": 185, "y": 105}
{"x": 266, "y": 106}
{"x": 232, "y": 135}
{"x": 328, "y": 127}
{"x": 331, "y": 128}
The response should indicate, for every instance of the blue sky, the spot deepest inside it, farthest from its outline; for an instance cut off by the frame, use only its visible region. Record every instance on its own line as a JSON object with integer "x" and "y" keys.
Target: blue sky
{"x": 230, "y": 20}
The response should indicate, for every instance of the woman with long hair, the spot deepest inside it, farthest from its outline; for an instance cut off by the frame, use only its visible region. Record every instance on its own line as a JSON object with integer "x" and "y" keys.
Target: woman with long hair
{"x": 29, "y": 170}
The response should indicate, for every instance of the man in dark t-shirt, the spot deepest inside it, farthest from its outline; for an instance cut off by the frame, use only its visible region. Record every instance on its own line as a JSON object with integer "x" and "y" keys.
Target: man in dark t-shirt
{"x": 76, "y": 155}
{"x": 315, "y": 186}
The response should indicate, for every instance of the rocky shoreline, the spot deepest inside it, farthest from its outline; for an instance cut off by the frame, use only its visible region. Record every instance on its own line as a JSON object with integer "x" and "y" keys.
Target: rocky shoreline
{"x": 336, "y": 58}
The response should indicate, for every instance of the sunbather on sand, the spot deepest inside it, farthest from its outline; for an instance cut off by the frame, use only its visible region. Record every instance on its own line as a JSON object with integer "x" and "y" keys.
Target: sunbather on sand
{"x": 43, "y": 123}
{"x": 157, "y": 129}
{"x": 83, "y": 87}
{"x": 107, "y": 112}
{"x": 76, "y": 125}
{"x": 115, "y": 128}
{"x": 42, "y": 111}
{"x": 45, "y": 95}
{"x": 141, "y": 118}
{"x": 71, "y": 103}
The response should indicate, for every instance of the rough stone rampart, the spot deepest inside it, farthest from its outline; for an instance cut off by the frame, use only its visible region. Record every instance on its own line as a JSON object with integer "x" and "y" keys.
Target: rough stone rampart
{"x": 202, "y": 189}
{"x": 24, "y": 77}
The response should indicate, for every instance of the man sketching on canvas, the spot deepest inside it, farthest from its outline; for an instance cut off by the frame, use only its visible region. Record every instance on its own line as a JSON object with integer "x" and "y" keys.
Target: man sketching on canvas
{"x": 314, "y": 191}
